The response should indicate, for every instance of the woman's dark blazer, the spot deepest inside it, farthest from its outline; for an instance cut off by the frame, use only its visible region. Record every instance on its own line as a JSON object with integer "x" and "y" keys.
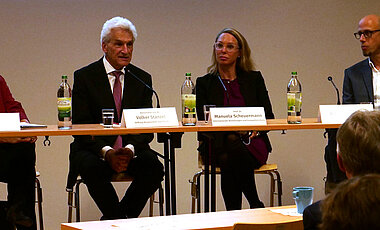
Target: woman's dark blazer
{"x": 210, "y": 91}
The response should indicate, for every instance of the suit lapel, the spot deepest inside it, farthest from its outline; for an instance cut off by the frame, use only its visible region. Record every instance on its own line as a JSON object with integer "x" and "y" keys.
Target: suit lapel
{"x": 245, "y": 88}
{"x": 101, "y": 79}
{"x": 367, "y": 77}
{"x": 126, "y": 91}
{"x": 217, "y": 89}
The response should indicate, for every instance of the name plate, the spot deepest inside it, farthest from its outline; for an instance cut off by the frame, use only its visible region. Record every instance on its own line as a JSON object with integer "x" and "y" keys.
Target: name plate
{"x": 149, "y": 117}
{"x": 338, "y": 114}
{"x": 9, "y": 121}
{"x": 236, "y": 116}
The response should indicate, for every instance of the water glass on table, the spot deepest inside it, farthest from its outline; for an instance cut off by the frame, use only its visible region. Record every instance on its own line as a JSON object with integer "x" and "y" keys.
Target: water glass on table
{"x": 107, "y": 115}
{"x": 206, "y": 110}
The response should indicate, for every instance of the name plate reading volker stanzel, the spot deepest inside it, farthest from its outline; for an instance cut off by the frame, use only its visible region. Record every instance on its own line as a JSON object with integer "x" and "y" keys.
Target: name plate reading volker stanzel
{"x": 149, "y": 117}
{"x": 236, "y": 116}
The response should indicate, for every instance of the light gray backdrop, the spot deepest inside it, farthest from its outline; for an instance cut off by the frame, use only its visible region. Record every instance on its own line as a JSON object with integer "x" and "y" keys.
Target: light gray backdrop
{"x": 42, "y": 40}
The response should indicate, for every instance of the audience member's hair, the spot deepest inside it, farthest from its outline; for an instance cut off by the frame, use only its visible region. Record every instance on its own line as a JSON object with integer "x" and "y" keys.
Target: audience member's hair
{"x": 353, "y": 205}
{"x": 359, "y": 143}
{"x": 116, "y": 22}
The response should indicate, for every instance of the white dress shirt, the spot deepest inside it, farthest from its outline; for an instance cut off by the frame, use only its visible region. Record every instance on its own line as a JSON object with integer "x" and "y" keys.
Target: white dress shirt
{"x": 111, "y": 78}
{"x": 376, "y": 85}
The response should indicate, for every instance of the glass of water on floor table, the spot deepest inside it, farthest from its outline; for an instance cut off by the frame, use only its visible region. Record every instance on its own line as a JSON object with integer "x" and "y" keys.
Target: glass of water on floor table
{"x": 107, "y": 115}
{"x": 206, "y": 110}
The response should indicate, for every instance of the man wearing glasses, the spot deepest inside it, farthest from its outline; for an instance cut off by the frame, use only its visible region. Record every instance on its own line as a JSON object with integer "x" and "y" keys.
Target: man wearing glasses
{"x": 361, "y": 84}
{"x": 362, "y": 80}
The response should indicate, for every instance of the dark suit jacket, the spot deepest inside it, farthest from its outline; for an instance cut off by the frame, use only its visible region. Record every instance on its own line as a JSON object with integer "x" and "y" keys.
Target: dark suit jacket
{"x": 210, "y": 91}
{"x": 92, "y": 93}
{"x": 312, "y": 216}
{"x": 357, "y": 85}
{"x": 7, "y": 103}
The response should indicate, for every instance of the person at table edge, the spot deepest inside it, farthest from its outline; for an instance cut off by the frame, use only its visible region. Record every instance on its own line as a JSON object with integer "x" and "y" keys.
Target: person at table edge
{"x": 361, "y": 84}
{"x": 17, "y": 169}
{"x": 232, "y": 81}
{"x": 97, "y": 158}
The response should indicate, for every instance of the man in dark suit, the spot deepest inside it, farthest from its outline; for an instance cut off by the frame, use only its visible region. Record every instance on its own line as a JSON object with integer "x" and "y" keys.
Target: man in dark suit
{"x": 359, "y": 79}
{"x": 104, "y": 84}
{"x": 360, "y": 85}
{"x": 17, "y": 169}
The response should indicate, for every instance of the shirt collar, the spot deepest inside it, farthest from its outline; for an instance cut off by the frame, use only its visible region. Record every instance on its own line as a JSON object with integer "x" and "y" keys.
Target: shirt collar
{"x": 372, "y": 66}
{"x": 109, "y": 68}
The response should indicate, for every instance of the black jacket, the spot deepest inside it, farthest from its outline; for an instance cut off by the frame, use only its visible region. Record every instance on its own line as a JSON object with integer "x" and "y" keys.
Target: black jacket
{"x": 210, "y": 91}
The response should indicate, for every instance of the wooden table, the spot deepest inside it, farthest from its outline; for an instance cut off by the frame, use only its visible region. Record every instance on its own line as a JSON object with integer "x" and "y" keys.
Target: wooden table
{"x": 211, "y": 221}
{"x": 171, "y": 137}
{"x": 97, "y": 129}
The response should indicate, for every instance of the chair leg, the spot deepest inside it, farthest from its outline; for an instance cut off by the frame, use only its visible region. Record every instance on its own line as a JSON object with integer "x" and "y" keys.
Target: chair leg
{"x": 73, "y": 196}
{"x": 272, "y": 188}
{"x": 70, "y": 204}
{"x": 195, "y": 191}
{"x": 151, "y": 201}
{"x": 279, "y": 187}
{"x": 39, "y": 203}
{"x": 198, "y": 192}
{"x": 161, "y": 200}
{"x": 76, "y": 201}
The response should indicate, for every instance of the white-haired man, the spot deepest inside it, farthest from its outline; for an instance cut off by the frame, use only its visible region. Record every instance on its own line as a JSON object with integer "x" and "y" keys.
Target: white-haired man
{"x": 104, "y": 84}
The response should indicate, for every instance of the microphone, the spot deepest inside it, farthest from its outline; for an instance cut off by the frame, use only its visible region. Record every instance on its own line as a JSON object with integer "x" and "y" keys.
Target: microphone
{"x": 146, "y": 85}
{"x": 225, "y": 90}
{"x": 159, "y": 135}
{"x": 337, "y": 91}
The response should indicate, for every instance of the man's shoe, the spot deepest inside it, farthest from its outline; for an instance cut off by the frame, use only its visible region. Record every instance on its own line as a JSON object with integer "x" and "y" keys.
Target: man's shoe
{"x": 17, "y": 217}
{"x": 4, "y": 223}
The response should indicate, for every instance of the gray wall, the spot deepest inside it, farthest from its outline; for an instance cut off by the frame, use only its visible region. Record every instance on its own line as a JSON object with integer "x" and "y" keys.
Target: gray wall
{"x": 42, "y": 40}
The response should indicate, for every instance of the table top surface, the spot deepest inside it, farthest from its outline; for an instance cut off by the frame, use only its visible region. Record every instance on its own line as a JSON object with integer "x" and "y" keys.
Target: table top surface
{"x": 212, "y": 220}
{"x": 97, "y": 129}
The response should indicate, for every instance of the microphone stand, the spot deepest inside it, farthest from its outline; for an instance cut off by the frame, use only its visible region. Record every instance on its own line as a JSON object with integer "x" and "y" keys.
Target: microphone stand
{"x": 160, "y": 136}
{"x": 171, "y": 142}
{"x": 334, "y": 174}
{"x": 146, "y": 85}
{"x": 329, "y": 78}
{"x": 337, "y": 91}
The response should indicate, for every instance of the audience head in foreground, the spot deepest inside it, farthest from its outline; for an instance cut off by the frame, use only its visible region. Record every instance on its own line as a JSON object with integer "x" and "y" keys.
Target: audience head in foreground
{"x": 354, "y": 204}
{"x": 358, "y": 144}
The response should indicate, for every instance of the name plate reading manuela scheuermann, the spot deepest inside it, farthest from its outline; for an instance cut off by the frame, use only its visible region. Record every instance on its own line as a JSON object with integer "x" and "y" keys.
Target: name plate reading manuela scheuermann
{"x": 149, "y": 117}
{"x": 235, "y": 116}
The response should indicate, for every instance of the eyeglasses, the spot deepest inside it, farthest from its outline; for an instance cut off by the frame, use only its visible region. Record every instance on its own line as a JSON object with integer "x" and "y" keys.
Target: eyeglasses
{"x": 229, "y": 47}
{"x": 366, "y": 33}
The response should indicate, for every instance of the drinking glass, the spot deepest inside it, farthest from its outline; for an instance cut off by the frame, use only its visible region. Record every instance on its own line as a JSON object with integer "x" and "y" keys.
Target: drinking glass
{"x": 107, "y": 115}
{"x": 206, "y": 110}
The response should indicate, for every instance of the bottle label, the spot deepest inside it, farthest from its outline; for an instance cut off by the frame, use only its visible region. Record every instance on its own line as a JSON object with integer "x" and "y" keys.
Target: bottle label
{"x": 64, "y": 107}
{"x": 294, "y": 102}
{"x": 188, "y": 103}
